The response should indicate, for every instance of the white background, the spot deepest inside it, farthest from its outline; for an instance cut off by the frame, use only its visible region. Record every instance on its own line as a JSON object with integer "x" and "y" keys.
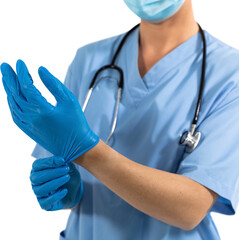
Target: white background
{"x": 48, "y": 33}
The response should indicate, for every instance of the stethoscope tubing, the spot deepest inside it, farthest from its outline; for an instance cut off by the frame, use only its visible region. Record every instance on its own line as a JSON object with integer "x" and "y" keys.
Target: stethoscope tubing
{"x": 192, "y": 138}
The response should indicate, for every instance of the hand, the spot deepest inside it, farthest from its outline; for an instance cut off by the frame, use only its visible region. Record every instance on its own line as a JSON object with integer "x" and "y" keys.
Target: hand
{"x": 63, "y": 129}
{"x": 57, "y": 185}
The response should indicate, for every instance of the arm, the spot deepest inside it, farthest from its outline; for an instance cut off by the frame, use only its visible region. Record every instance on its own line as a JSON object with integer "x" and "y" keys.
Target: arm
{"x": 171, "y": 198}
{"x": 168, "y": 197}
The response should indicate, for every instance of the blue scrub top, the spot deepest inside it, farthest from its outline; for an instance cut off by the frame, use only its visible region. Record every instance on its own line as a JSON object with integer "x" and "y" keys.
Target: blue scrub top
{"x": 154, "y": 111}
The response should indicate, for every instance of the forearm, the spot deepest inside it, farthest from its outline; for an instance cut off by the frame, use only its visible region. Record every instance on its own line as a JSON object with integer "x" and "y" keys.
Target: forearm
{"x": 165, "y": 196}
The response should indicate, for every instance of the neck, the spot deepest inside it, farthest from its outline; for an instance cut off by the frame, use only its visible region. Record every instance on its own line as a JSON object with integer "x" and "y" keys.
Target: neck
{"x": 160, "y": 38}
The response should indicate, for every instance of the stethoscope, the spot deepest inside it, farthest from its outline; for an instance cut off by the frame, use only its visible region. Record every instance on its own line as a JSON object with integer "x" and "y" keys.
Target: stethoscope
{"x": 189, "y": 138}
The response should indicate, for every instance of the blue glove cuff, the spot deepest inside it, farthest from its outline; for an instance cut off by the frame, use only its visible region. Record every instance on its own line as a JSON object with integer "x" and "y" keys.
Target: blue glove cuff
{"x": 89, "y": 141}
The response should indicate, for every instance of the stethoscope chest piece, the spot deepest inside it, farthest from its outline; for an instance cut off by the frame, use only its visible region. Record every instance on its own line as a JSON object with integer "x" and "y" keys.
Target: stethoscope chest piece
{"x": 190, "y": 140}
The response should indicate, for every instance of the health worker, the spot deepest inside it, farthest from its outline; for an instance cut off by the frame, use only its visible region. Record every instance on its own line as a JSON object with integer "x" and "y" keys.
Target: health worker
{"x": 143, "y": 142}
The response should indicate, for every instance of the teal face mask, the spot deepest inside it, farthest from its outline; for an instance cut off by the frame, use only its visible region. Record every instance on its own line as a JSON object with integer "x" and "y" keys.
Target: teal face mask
{"x": 154, "y": 11}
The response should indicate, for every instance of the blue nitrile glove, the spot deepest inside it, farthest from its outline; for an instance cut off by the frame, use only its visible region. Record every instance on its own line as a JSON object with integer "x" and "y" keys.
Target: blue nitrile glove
{"x": 57, "y": 185}
{"x": 63, "y": 129}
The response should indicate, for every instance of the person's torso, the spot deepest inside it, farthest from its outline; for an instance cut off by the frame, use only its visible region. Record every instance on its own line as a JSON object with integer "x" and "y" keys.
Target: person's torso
{"x": 153, "y": 113}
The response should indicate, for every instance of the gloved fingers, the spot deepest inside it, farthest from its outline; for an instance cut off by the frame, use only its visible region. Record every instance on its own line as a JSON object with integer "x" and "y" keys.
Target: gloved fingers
{"x": 22, "y": 88}
{"x": 7, "y": 90}
{"x": 47, "y": 175}
{"x": 46, "y": 163}
{"x": 22, "y": 116}
{"x": 30, "y": 92}
{"x": 25, "y": 106}
{"x": 24, "y": 126}
{"x": 73, "y": 169}
{"x": 21, "y": 124}
{"x": 56, "y": 87}
{"x": 25, "y": 79}
{"x": 51, "y": 186}
{"x": 9, "y": 79}
{"x": 58, "y": 205}
{"x": 52, "y": 202}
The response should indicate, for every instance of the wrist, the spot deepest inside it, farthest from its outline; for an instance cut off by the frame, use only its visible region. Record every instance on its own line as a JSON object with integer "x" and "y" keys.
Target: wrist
{"x": 90, "y": 155}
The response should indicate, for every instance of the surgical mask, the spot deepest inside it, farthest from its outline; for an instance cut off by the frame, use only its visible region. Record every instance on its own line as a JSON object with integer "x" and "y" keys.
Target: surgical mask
{"x": 154, "y": 11}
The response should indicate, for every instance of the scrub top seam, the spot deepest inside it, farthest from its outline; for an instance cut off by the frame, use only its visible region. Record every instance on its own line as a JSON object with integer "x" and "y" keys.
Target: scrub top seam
{"x": 220, "y": 104}
{"x": 143, "y": 92}
{"x": 171, "y": 54}
{"x": 198, "y": 53}
{"x": 220, "y": 188}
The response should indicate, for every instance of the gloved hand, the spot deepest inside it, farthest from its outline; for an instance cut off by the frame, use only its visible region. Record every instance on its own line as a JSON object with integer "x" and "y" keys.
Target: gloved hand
{"x": 57, "y": 185}
{"x": 63, "y": 129}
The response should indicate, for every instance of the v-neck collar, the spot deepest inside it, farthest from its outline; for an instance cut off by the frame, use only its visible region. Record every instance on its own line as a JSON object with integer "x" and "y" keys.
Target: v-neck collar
{"x": 139, "y": 87}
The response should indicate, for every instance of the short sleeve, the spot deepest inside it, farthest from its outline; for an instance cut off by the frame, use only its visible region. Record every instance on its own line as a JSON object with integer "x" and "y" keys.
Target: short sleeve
{"x": 214, "y": 163}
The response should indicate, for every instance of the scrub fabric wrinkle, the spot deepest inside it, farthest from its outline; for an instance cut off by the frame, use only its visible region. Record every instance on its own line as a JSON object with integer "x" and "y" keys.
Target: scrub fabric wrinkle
{"x": 153, "y": 112}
